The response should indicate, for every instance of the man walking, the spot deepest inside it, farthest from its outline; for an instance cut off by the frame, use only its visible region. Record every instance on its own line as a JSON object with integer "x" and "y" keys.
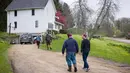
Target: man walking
{"x": 38, "y": 40}
{"x": 71, "y": 47}
{"x": 85, "y": 48}
{"x": 48, "y": 41}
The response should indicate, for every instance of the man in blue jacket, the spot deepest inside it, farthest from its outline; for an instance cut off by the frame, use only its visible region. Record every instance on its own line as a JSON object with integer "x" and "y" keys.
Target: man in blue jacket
{"x": 71, "y": 47}
{"x": 38, "y": 39}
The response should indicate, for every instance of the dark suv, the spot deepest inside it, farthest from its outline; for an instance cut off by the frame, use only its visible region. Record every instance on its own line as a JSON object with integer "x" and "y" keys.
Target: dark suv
{"x": 128, "y": 36}
{"x": 26, "y": 38}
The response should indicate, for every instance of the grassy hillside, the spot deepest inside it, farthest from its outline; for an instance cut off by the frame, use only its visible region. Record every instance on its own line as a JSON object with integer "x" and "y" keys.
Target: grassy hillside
{"x": 103, "y": 48}
{"x": 4, "y": 63}
{"x": 106, "y": 49}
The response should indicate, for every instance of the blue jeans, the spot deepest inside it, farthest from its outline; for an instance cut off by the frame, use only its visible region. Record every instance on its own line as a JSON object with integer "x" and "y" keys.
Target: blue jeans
{"x": 70, "y": 58}
{"x": 85, "y": 55}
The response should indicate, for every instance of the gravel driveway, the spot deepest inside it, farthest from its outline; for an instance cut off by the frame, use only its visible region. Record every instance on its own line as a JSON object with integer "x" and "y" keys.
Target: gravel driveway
{"x": 29, "y": 59}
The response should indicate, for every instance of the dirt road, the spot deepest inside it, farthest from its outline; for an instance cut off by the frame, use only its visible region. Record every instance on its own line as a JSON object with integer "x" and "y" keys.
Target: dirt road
{"x": 121, "y": 40}
{"x": 29, "y": 59}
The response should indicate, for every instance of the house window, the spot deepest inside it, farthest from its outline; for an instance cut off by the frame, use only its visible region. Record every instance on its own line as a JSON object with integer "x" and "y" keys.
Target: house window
{"x": 15, "y": 24}
{"x": 50, "y": 26}
{"x": 33, "y": 12}
{"x": 55, "y": 26}
{"x": 60, "y": 27}
{"x": 36, "y": 24}
{"x": 15, "y": 13}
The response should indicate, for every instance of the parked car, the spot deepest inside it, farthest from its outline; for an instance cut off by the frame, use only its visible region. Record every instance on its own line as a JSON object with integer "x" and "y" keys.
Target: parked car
{"x": 26, "y": 38}
{"x": 34, "y": 39}
{"x": 128, "y": 36}
{"x": 12, "y": 42}
{"x": 96, "y": 36}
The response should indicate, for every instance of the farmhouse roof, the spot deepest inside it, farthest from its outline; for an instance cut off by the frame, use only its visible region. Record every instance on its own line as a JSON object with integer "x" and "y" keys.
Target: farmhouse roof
{"x": 26, "y": 4}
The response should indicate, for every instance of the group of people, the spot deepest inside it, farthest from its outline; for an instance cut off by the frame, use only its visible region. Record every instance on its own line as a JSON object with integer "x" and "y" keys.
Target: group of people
{"x": 48, "y": 40}
{"x": 71, "y": 47}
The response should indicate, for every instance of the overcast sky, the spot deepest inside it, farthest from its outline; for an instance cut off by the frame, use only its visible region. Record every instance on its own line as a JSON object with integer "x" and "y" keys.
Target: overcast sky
{"x": 124, "y": 7}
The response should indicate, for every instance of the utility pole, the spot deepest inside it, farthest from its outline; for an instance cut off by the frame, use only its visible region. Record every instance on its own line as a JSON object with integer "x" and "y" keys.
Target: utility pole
{"x": 9, "y": 28}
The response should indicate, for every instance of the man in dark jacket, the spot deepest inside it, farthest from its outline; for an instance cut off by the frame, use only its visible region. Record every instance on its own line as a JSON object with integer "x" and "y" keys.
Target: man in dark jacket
{"x": 48, "y": 39}
{"x": 71, "y": 47}
{"x": 85, "y": 48}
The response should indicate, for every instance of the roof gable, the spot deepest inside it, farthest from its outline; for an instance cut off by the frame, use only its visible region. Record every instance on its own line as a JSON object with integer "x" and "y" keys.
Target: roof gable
{"x": 26, "y": 4}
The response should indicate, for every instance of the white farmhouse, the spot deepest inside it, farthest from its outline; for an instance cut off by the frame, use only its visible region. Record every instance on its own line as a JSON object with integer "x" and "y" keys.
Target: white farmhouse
{"x": 31, "y": 16}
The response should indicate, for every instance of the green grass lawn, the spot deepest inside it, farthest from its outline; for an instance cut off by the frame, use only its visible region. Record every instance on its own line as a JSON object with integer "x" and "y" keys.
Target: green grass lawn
{"x": 99, "y": 48}
{"x": 4, "y": 63}
{"x": 103, "y": 49}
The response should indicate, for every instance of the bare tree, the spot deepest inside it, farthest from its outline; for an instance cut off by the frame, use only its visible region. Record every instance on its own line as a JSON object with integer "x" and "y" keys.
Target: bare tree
{"x": 123, "y": 24}
{"x": 106, "y": 12}
{"x": 81, "y": 13}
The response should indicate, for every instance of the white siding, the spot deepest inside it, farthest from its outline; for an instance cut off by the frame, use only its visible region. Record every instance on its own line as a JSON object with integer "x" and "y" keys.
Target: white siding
{"x": 26, "y": 22}
{"x": 51, "y": 12}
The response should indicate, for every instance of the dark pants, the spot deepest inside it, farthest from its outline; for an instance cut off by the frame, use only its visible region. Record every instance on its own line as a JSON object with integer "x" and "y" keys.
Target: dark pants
{"x": 38, "y": 44}
{"x": 48, "y": 44}
{"x": 85, "y": 55}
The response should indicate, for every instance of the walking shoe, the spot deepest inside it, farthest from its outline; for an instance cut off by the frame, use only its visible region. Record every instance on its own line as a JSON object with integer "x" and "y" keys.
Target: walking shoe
{"x": 69, "y": 69}
{"x": 75, "y": 69}
{"x": 87, "y": 69}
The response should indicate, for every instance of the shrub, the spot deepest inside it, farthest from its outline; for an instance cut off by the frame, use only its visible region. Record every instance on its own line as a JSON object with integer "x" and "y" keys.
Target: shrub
{"x": 96, "y": 36}
{"x": 75, "y": 31}
{"x": 62, "y": 31}
{"x": 55, "y": 32}
{"x": 6, "y": 37}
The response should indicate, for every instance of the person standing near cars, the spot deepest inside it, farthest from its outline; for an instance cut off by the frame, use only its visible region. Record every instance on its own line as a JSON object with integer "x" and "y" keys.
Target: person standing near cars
{"x": 38, "y": 40}
{"x": 85, "y": 48}
{"x": 48, "y": 39}
{"x": 71, "y": 47}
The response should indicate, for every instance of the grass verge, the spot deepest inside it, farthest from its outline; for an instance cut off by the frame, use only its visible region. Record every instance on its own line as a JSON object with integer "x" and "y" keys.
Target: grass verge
{"x": 4, "y": 63}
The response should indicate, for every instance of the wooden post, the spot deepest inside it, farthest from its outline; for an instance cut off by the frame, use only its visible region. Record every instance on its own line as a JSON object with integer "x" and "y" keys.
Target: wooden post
{"x": 9, "y": 28}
